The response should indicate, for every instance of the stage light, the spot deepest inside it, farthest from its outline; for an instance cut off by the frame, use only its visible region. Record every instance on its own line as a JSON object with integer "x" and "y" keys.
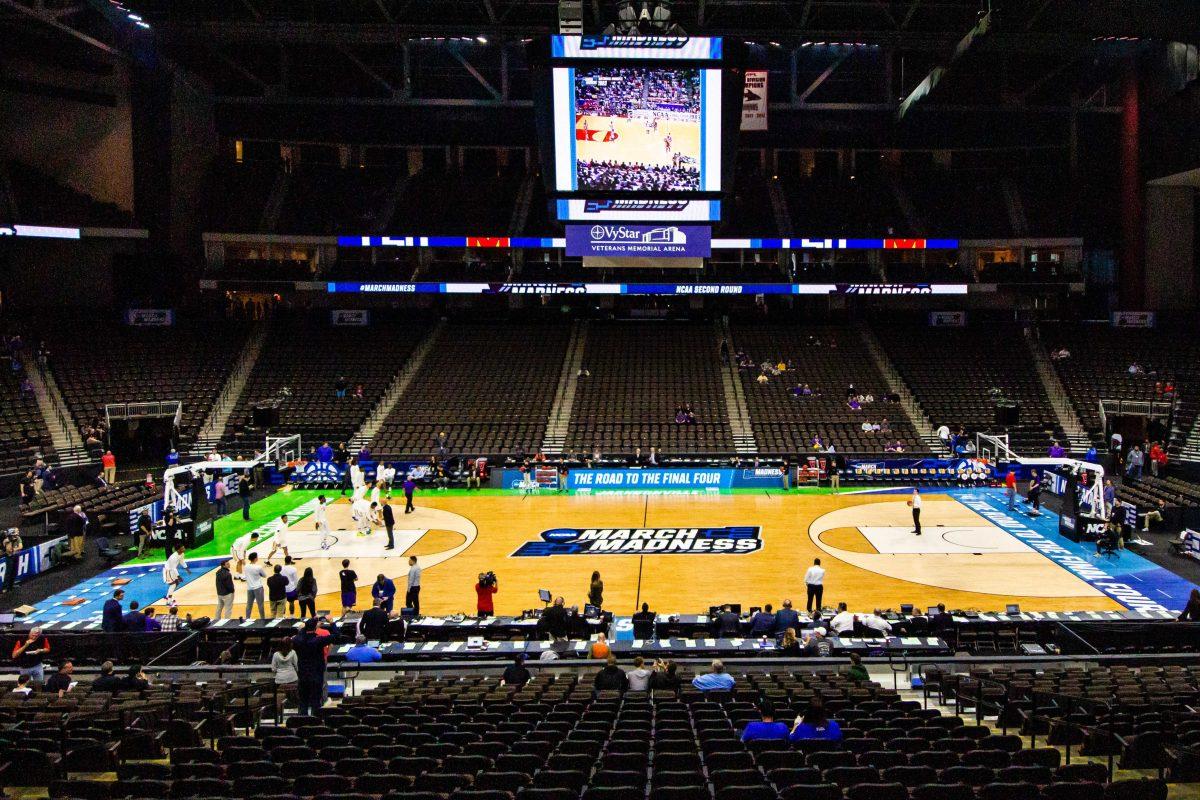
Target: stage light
{"x": 481, "y": 39}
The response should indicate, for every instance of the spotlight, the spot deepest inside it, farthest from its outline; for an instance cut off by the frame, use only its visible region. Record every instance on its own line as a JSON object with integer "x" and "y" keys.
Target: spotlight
{"x": 481, "y": 39}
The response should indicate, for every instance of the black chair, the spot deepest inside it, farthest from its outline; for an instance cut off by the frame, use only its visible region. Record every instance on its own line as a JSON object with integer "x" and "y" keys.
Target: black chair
{"x": 910, "y": 776}
{"x": 443, "y": 782}
{"x": 877, "y": 791}
{"x": 1080, "y": 772}
{"x": 143, "y": 788}
{"x": 1049, "y": 757}
{"x": 938, "y": 759}
{"x": 252, "y": 769}
{"x": 1071, "y": 791}
{"x": 201, "y": 787}
{"x": 829, "y": 759}
{"x": 993, "y": 759}
{"x": 882, "y": 759}
{"x": 975, "y": 776}
{"x": 754, "y": 792}
{"x": 197, "y": 770}
{"x": 943, "y": 791}
{"x": 1009, "y": 791}
{"x": 81, "y": 789}
{"x": 1136, "y": 789}
{"x": 849, "y": 776}
{"x": 383, "y": 782}
{"x": 783, "y": 777}
{"x": 811, "y": 791}
{"x": 1039, "y": 776}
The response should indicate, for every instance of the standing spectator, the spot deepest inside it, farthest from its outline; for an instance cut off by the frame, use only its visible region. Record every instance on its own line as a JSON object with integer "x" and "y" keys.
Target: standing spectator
{"x": 596, "y": 590}
{"x": 306, "y": 593}
{"x": 29, "y": 653}
{"x": 1158, "y": 460}
{"x": 145, "y": 532}
{"x": 1010, "y": 489}
{"x": 293, "y": 579}
{"x": 814, "y": 580}
{"x": 340, "y": 386}
{"x": 349, "y": 586}
{"x": 111, "y": 617}
{"x": 220, "y": 492}
{"x": 1134, "y": 463}
{"x": 1035, "y": 495}
{"x": 224, "y": 581}
{"x": 389, "y": 521}
{"x": 277, "y": 592}
{"x": 76, "y": 527}
{"x": 384, "y": 592}
{"x": 255, "y": 577}
{"x": 173, "y": 458}
{"x": 283, "y": 671}
{"x": 109, "y": 462}
{"x": 310, "y": 662}
{"x": 1191, "y": 611}
{"x": 325, "y": 453}
{"x": 485, "y": 604}
{"x": 410, "y": 486}
{"x": 245, "y": 492}
{"x": 412, "y": 598}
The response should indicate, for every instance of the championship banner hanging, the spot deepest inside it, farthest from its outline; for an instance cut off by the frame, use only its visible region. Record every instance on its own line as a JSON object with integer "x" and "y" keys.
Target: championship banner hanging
{"x": 754, "y": 101}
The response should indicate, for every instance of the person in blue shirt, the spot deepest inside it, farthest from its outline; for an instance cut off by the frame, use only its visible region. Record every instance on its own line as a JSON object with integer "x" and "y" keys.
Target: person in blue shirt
{"x": 786, "y": 618}
{"x": 325, "y": 453}
{"x": 763, "y": 623}
{"x": 134, "y": 621}
{"x": 172, "y": 458}
{"x": 716, "y": 681}
{"x": 768, "y": 728}
{"x": 384, "y": 590}
{"x": 1090, "y": 455}
{"x": 813, "y": 724}
{"x": 362, "y": 653}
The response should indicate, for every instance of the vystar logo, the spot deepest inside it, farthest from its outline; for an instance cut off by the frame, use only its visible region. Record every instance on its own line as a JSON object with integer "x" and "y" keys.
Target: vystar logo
{"x": 733, "y": 540}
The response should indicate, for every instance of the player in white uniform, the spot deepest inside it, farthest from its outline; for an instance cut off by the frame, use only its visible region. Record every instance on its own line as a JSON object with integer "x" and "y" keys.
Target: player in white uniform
{"x": 321, "y": 517}
{"x": 387, "y": 474}
{"x": 280, "y": 540}
{"x": 362, "y": 512}
{"x": 241, "y": 546}
{"x": 171, "y": 568}
{"x": 376, "y": 488}
{"x": 356, "y": 476}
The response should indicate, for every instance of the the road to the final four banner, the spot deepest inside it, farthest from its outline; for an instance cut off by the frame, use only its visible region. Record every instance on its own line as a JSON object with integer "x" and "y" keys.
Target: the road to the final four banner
{"x": 748, "y": 546}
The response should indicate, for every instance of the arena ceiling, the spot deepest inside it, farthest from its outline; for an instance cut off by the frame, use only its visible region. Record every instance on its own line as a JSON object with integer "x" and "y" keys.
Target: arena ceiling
{"x": 838, "y": 61}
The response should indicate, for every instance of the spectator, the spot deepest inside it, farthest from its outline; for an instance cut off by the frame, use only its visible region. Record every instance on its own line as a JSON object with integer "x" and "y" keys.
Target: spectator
{"x": 718, "y": 680}
{"x": 24, "y": 686}
{"x": 310, "y": 656}
{"x": 874, "y": 622}
{"x": 554, "y": 620}
{"x": 665, "y": 677}
{"x": 817, "y": 646}
{"x": 111, "y": 620}
{"x": 611, "y": 678}
{"x": 340, "y": 386}
{"x": 1155, "y": 514}
{"x": 224, "y": 587}
{"x": 767, "y": 728}
{"x": 363, "y": 653}
{"x": 516, "y": 673}
{"x": 283, "y": 671}
{"x": 306, "y": 593}
{"x": 220, "y": 493}
{"x": 1158, "y": 460}
{"x": 1191, "y": 612}
{"x": 29, "y": 653}
{"x": 814, "y": 724}
{"x": 277, "y": 592}
{"x": 169, "y": 623}
{"x": 857, "y": 671}
{"x": 12, "y": 548}
{"x": 76, "y": 528}
{"x": 109, "y": 463}
{"x": 245, "y": 489}
{"x": 135, "y": 679}
{"x": 61, "y": 682}
{"x": 1134, "y": 462}
{"x": 639, "y": 676}
{"x": 789, "y": 645}
{"x": 729, "y": 624}
{"x": 763, "y": 623}
{"x": 153, "y": 625}
{"x": 108, "y": 681}
{"x": 134, "y": 620}
{"x": 600, "y": 649}
{"x": 843, "y": 621}
{"x": 643, "y": 623}
{"x": 786, "y": 618}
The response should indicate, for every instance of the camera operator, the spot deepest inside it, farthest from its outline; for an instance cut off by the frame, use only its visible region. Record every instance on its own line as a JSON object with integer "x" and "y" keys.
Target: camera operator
{"x": 485, "y": 590}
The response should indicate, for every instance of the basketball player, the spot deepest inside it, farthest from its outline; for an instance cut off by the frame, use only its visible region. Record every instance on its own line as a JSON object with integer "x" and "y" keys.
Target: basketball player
{"x": 357, "y": 481}
{"x": 376, "y": 488}
{"x": 387, "y": 474}
{"x": 915, "y": 504}
{"x": 170, "y": 573}
{"x": 238, "y": 552}
{"x": 361, "y": 512}
{"x": 279, "y": 540}
{"x": 612, "y": 129}
{"x": 586, "y": 132}
{"x": 667, "y": 142}
{"x": 321, "y": 517}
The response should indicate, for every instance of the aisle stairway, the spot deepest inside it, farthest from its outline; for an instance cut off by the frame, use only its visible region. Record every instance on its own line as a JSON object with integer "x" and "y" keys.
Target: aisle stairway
{"x": 558, "y": 423}
{"x": 897, "y": 386}
{"x": 218, "y": 415}
{"x": 396, "y": 390}
{"x": 735, "y": 399}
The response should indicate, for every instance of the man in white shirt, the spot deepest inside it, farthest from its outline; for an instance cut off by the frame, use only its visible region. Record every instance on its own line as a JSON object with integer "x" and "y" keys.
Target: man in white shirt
{"x": 356, "y": 476}
{"x": 386, "y": 474}
{"x": 876, "y": 623}
{"x": 241, "y": 546}
{"x": 293, "y": 578}
{"x": 639, "y": 676}
{"x": 915, "y": 504}
{"x": 279, "y": 539}
{"x": 360, "y": 510}
{"x": 814, "y": 579}
{"x": 170, "y": 573}
{"x": 256, "y": 576}
{"x": 321, "y": 517}
{"x": 843, "y": 621}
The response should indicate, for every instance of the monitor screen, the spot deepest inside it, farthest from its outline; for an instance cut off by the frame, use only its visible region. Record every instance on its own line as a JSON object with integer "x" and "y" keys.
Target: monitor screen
{"x": 1013, "y": 608}
{"x": 544, "y": 595}
{"x": 637, "y": 128}
{"x": 933, "y": 611}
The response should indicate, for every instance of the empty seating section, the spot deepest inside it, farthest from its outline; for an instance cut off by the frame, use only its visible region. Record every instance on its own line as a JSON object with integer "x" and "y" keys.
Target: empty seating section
{"x": 955, "y": 373}
{"x": 489, "y": 386}
{"x": 97, "y": 361}
{"x": 239, "y": 193}
{"x": 23, "y": 432}
{"x": 640, "y": 373}
{"x": 1098, "y": 368}
{"x": 103, "y": 506}
{"x": 42, "y": 200}
{"x": 306, "y": 356}
{"x": 470, "y": 738}
{"x": 326, "y": 199}
{"x": 828, "y": 360}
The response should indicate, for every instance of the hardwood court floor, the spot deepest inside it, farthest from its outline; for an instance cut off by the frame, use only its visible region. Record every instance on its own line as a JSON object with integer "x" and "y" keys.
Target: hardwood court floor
{"x": 634, "y": 143}
{"x": 864, "y": 541}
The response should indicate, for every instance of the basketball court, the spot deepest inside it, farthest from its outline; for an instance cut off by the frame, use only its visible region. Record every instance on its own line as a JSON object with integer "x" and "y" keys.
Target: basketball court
{"x": 687, "y": 550}
{"x": 631, "y": 140}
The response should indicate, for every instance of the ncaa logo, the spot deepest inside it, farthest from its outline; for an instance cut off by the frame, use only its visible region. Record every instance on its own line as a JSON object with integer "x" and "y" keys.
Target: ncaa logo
{"x": 561, "y": 535}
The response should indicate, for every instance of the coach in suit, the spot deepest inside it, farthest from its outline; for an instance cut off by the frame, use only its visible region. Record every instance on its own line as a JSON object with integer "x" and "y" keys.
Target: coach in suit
{"x": 785, "y": 618}
{"x": 389, "y": 522}
{"x": 111, "y": 621}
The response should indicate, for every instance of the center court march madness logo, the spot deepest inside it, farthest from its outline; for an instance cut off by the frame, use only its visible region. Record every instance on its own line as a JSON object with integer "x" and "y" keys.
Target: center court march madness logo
{"x": 627, "y": 541}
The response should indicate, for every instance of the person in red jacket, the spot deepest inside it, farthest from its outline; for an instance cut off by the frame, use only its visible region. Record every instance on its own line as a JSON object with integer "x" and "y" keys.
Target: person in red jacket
{"x": 485, "y": 591}
{"x": 1158, "y": 459}
{"x": 109, "y": 462}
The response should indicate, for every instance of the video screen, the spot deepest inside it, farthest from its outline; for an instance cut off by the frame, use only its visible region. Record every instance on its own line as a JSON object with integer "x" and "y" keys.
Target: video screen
{"x": 637, "y": 129}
